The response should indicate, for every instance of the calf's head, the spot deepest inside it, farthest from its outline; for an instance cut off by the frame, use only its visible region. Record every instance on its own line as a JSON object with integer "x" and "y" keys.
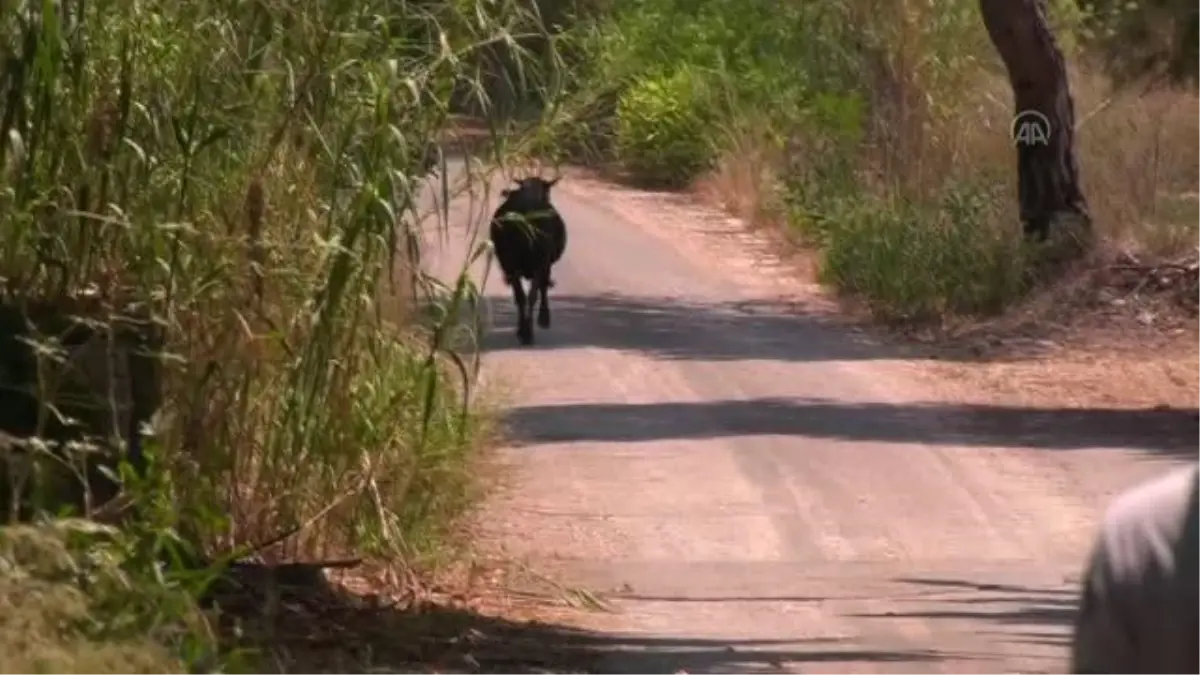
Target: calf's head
{"x": 532, "y": 191}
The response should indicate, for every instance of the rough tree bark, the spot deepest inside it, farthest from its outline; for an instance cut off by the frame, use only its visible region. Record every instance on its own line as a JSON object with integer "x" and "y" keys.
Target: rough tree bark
{"x": 1047, "y": 173}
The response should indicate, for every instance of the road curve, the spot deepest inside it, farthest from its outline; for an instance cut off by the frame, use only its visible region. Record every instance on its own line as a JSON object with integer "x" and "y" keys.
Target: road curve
{"x": 758, "y": 491}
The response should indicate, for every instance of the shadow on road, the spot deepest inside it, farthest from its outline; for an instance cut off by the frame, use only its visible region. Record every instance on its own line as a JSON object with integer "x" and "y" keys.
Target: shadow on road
{"x": 1017, "y": 614}
{"x": 661, "y": 655}
{"x": 321, "y": 629}
{"x": 674, "y": 329}
{"x": 1168, "y": 430}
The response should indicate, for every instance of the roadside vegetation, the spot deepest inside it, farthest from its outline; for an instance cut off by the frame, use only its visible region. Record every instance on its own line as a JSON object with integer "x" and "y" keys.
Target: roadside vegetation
{"x": 209, "y": 230}
{"x": 879, "y": 134}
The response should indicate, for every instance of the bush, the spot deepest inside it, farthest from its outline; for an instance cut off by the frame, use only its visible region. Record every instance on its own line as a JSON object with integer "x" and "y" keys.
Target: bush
{"x": 663, "y": 133}
{"x": 913, "y": 261}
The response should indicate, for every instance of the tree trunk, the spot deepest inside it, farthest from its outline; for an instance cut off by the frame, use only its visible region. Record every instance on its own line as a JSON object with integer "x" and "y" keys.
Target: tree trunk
{"x": 1047, "y": 172}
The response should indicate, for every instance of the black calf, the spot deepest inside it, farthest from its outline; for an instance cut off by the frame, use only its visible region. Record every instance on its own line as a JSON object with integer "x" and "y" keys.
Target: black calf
{"x": 529, "y": 236}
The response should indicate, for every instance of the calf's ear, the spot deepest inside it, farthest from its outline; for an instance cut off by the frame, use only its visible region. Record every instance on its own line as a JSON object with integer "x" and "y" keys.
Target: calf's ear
{"x": 553, "y": 182}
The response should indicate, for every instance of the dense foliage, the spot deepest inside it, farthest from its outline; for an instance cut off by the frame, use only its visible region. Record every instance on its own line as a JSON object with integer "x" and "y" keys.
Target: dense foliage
{"x": 879, "y": 133}
{"x": 242, "y": 180}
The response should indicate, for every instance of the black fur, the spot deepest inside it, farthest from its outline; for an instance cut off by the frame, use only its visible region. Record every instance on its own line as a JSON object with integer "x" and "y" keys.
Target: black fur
{"x": 529, "y": 237}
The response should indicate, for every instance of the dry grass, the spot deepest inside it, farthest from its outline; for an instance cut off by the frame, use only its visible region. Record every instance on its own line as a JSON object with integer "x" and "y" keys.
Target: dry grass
{"x": 1096, "y": 334}
{"x": 1139, "y": 154}
{"x": 891, "y": 153}
{"x": 745, "y": 179}
{"x": 1140, "y": 162}
{"x": 68, "y": 607}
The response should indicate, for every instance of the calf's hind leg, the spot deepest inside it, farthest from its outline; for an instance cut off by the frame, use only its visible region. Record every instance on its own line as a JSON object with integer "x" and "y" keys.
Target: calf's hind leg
{"x": 524, "y": 311}
{"x": 541, "y": 290}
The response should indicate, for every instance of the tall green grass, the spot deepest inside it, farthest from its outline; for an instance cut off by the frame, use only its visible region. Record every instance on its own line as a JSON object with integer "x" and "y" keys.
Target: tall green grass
{"x": 247, "y": 176}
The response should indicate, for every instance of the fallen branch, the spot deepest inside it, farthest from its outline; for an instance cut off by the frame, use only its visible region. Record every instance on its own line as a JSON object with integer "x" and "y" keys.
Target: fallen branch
{"x": 1182, "y": 268}
{"x": 1163, "y": 274}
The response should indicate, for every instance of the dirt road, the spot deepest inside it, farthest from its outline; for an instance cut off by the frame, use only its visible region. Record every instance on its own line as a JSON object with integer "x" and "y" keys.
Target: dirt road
{"x": 759, "y": 491}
